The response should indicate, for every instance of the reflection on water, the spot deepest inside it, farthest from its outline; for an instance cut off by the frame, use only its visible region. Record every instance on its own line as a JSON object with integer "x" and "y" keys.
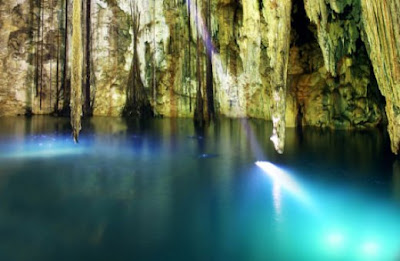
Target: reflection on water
{"x": 277, "y": 196}
{"x": 162, "y": 190}
{"x": 396, "y": 180}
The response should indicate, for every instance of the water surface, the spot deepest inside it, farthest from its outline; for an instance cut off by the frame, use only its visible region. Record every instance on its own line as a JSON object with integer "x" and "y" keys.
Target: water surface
{"x": 161, "y": 190}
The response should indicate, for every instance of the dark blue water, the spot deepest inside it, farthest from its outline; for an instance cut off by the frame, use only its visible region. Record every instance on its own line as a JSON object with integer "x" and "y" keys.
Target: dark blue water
{"x": 160, "y": 190}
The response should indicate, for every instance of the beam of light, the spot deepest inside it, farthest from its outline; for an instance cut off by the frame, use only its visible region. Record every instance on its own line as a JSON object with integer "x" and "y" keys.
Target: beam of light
{"x": 254, "y": 145}
{"x": 201, "y": 28}
{"x": 224, "y": 77}
{"x": 283, "y": 179}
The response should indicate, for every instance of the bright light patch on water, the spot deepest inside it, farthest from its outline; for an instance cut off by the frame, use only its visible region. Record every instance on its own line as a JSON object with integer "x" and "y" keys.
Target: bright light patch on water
{"x": 283, "y": 179}
{"x": 43, "y": 147}
{"x": 335, "y": 240}
{"x": 342, "y": 231}
{"x": 370, "y": 248}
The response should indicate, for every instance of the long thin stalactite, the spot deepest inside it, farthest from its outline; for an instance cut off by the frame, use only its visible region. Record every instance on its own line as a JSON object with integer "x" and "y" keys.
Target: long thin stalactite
{"x": 76, "y": 70}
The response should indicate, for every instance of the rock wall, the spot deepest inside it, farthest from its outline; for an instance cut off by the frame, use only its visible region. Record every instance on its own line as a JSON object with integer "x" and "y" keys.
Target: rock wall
{"x": 381, "y": 22}
{"x": 300, "y": 62}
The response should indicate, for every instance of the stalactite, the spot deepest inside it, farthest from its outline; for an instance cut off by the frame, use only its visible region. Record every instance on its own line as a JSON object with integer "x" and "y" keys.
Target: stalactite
{"x": 278, "y": 17}
{"x": 154, "y": 83}
{"x": 76, "y": 70}
{"x": 57, "y": 73}
{"x": 189, "y": 76}
{"x": 41, "y": 55}
{"x": 337, "y": 37}
{"x": 37, "y": 54}
{"x": 65, "y": 82}
{"x": 87, "y": 107}
{"x": 209, "y": 70}
{"x": 198, "y": 111}
{"x": 51, "y": 55}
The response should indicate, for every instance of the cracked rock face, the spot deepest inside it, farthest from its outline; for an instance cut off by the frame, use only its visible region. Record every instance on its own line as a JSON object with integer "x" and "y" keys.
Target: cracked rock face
{"x": 313, "y": 62}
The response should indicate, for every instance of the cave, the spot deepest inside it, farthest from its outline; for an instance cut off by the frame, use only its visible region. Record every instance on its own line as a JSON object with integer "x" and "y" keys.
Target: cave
{"x": 199, "y": 130}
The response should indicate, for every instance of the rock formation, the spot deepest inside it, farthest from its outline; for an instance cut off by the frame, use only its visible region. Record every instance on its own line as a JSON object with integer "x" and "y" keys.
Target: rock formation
{"x": 76, "y": 70}
{"x": 381, "y": 28}
{"x": 325, "y": 63}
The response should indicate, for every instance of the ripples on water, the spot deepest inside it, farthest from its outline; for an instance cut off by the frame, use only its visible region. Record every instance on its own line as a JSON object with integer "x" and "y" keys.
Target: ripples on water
{"x": 161, "y": 190}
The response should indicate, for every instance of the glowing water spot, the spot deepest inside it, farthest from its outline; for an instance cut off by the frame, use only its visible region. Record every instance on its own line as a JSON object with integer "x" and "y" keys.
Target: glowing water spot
{"x": 207, "y": 156}
{"x": 335, "y": 240}
{"x": 283, "y": 179}
{"x": 370, "y": 248}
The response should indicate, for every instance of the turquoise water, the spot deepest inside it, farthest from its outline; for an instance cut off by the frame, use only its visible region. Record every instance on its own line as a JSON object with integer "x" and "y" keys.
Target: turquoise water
{"x": 161, "y": 190}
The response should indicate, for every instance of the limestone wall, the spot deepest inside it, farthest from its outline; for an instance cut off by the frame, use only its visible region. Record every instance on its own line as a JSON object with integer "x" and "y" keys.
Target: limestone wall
{"x": 327, "y": 80}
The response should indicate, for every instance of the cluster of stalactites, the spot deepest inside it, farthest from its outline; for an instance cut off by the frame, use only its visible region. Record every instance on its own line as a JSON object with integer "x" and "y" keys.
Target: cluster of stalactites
{"x": 337, "y": 37}
{"x": 340, "y": 24}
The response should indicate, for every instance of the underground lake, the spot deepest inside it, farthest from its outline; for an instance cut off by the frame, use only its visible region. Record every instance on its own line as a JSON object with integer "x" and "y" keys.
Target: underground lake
{"x": 199, "y": 130}
{"x": 162, "y": 190}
